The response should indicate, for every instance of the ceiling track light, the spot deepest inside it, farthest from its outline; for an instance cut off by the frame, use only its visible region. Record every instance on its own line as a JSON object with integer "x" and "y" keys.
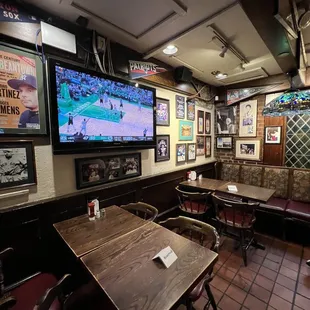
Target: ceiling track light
{"x": 224, "y": 51}
{"x": 242, "y": 67}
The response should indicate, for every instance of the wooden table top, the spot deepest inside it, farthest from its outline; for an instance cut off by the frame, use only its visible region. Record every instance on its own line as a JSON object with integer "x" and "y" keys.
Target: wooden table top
{"x": 256, "y": 193}
{"x": 83, "y": 235}
{"x": 126, "y": 272}
{"x": 204, "y": 184}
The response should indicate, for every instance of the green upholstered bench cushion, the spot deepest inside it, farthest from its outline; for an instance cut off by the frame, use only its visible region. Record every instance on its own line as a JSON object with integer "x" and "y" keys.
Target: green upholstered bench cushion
{"x": 276, "y": 178}
{"x": 301, "y": 186}
{"x": 251, "y": 175}
{"x": 230, "y": 172}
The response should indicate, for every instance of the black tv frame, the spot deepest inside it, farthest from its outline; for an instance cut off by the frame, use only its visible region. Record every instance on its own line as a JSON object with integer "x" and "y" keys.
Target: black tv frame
{"x": 89, "y": 146}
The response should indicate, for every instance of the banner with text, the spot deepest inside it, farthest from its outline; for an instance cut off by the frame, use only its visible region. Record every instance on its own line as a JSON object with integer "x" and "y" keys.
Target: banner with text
{"x": 138, "y": 69}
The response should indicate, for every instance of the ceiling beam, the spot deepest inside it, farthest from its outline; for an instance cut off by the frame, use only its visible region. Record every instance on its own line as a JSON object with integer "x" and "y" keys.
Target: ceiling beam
{"x": 261, "y": 13}
{"x": 177, "y": 6}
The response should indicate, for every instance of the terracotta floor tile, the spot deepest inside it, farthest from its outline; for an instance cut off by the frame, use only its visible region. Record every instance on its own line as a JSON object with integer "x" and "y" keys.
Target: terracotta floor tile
{"x": 256, "y": 259}
{"x": 304, "y": 279}
{"x": 219, "y": 283}
{"x": 275, "y": 258}
{"x": 288, "y": 273}
{"x": 264, "y": 282}
{"x": 229, "y": 304}
{"x": 270, "y": 308}
{"x": 287, "y": 282}
{"x": 253, "y": 303}
{"x": 236, "y": 293}
{"x": 216, "y": 293}
{"x": 283, "y": 292}
{"x": 237, "y": 258}
{"x": 303, "y": 290}
{"x": 277, "y": 251}
{"x": 291, "y": 265}
{"x": 260, "y": 252}
{"x": 268, "y": 273}
{"x": 292, "y": 257}
{"x": 216, "y": 267}
{"x": 296, "y": 308}
{"x": 232, "y": 265}
{"x": 200, "y": 303}
{"x": 271, "y": 265}
{"x": 253, "y": 266}
{"x": 302, "y": 302}
{"x": 260, "y": 293}
{"x": 279, "y": 303}
{"x": 226, "y": 274}
{"x": 305, "y": 270}
{"x": 246, "y": 273}
{"x": 242, "y": 282}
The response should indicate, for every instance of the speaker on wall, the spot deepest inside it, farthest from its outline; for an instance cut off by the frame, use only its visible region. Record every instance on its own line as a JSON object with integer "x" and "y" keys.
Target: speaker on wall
{"x": 183, "y": 75}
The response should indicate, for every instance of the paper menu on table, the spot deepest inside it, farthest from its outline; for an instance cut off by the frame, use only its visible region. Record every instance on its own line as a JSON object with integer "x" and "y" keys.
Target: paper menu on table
{"x": 232, "y": 188}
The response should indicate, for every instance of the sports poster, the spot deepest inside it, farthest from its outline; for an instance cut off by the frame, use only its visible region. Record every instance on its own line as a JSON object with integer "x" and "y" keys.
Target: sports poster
{"x": 20, "y": 93}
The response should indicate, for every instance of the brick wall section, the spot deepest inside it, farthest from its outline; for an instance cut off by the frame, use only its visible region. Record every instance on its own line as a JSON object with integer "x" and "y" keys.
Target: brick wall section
{"x": 229, "y": 155}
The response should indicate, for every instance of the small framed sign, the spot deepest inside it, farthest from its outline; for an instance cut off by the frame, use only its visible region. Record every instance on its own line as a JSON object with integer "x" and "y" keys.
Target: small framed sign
{"x": 181, "y": 153}
{"x": 208, "y": 124}
{"x": 200, "y": 125}
{"x": 208, "y": 146}
{"x": 162, "y": 151}
{"x": 224, "y": 143}
{"x": 200, "y": 143}
{"x": 191, "y": 151}
{"x": 180, "y": 106}
{"x": 191, "y": 110}
{"x": 186, "y": 130}
{"x": 162, "y": 112}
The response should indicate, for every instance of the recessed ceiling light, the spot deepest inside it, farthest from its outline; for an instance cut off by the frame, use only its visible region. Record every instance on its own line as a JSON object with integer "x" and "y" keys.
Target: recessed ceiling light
{"x": 221, "y": 75}
{"x": 170, "y": 50}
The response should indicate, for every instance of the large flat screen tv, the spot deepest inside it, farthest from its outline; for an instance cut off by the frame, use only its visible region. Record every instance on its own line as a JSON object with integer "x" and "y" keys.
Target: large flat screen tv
{"x": 91, "y": 111}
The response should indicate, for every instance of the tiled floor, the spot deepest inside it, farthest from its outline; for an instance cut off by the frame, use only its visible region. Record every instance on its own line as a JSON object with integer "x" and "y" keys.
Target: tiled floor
{"x": 277, "y": 278}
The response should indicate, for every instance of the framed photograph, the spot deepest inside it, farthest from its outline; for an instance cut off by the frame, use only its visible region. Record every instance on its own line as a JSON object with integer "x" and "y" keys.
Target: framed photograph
{"x": 208, "y": 124}
{"x": 224, "y": 143}
{"x": 181, "y": 153}
{"x": 186, "y": 131}
{"x": 201, "y": 121}
{"x": 162, "y": 151}
{"x": 273, "y": 134}
{"x": 200, "y": 143}
{"x": 226, "y": 120}
{"x": 162, "y": 112}
{"x": 248, "y": 149}
{"x": 208, "y": 146}
{"x": 103, "y": 169}
{"x": 17, "y": 164}
{"x": 191, "y": 151}
{"x": 247, "y": 121}
{"x": 191, "y": 110}
{"x": 180, "y": 106}
{"x": 23, "y": 103}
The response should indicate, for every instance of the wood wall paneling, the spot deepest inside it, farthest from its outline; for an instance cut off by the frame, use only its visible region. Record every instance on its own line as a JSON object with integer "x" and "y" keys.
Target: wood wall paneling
{"x": 274, "y": 154}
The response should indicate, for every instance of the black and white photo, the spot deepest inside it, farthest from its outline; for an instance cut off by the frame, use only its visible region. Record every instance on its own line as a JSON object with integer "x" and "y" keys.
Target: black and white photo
{"x": 247, "y": 122}
{"x": 226, "y": 120}
{"x": 162, "y": 151}
{"x": 17, "y": 166}
{"x": 102, "y": 169}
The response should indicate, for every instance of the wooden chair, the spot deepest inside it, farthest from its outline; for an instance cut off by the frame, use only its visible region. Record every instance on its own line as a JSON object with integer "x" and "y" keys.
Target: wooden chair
{"x": 207, "y": 236}
{"x": 193, "y": 204}
{"x": 238, "y": 215}
{"x": 40, "y": 291}
{"x": 143, "y": 210}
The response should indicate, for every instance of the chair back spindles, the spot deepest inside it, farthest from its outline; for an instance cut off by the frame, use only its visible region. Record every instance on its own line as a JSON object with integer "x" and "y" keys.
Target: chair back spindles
{"x": 234, "y": 213}
{"x": 143, "y": 210}
{"x": 193, "y": 202}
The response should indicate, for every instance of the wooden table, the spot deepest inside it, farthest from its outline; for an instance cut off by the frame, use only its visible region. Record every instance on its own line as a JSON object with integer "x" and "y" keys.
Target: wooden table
{"x": 126, "y": 272}
{"x": 245, "y": 191}
{"x": 204, "y": 184}
{"x": 83, "y": 235}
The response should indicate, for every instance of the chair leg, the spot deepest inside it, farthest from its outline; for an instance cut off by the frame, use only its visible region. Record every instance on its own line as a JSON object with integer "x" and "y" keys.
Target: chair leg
{"x": 189, "y": 305}
{"x": 243, "y": 247}
{"x": 210, "y": 296}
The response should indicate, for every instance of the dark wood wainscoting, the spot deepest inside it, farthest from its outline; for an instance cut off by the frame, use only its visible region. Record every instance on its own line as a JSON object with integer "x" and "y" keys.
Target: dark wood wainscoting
{"x": 29, "y": 230}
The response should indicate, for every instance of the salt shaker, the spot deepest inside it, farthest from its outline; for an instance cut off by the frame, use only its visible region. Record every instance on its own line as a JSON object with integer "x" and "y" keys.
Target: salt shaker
{"x": 97, "y": 214}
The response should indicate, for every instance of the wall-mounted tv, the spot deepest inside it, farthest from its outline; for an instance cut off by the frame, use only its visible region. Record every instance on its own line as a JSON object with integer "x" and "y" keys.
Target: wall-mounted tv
{"x": 91, "y": 111}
